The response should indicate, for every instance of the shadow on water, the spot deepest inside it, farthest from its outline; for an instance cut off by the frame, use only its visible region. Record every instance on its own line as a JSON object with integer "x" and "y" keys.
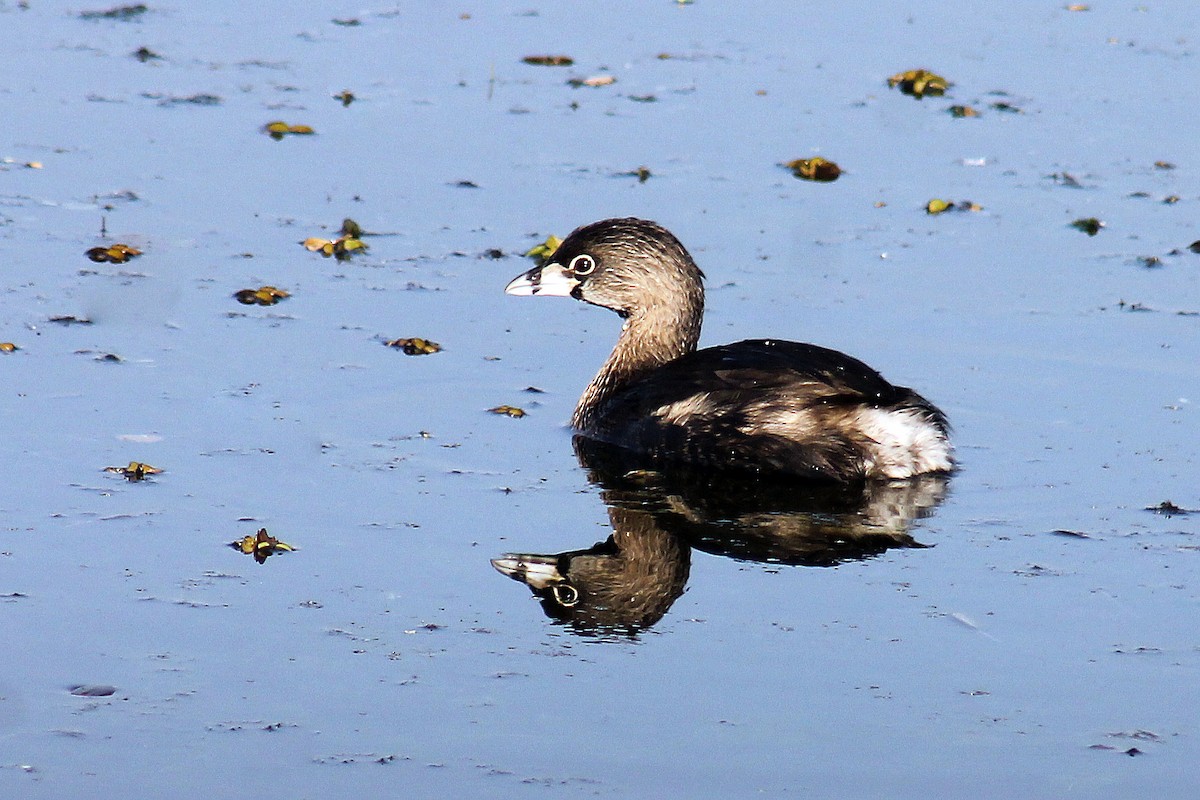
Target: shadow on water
{"x": 628, "y": 582}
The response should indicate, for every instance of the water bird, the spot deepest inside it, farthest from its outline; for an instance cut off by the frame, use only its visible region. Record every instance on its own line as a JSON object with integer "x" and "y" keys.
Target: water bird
{"x": 763, "y": 405}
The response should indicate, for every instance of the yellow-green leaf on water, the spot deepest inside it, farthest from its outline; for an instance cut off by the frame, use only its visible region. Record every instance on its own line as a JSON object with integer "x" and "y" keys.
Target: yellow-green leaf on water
{"x": 919, "y": 83}
{"x": 136, "y": 471}
{"x": 114, "y": 254}
{"x": 508, "y": 411}
{"x": 541, "y": 253}
{"x": 814, "y": 169}
{"x": 937, "y": 206}
{"x": 278, "y": 129}
{"x": 263, "y": 296}
{"x": 415, "y": 346}
{"x": 960, "y": 112}
{"x": 341, "y": 247}
{"x": 261, "y": 546}
{"x": 8, "y": 347}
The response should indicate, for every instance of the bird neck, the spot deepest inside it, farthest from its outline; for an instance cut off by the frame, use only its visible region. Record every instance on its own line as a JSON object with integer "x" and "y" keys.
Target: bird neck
{"x": 652, "y": 335}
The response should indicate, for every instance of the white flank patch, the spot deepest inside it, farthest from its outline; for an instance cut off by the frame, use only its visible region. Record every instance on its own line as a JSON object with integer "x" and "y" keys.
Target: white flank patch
{"x": 907, "y": 443}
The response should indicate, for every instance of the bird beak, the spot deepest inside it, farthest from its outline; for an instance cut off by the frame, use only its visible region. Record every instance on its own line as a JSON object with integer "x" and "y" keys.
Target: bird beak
{"x": 538, "y": 572}
{"x": 549, "y": 279}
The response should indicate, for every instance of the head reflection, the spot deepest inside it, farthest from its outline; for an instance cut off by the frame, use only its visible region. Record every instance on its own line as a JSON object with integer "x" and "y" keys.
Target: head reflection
{"x": 628, "y": 582}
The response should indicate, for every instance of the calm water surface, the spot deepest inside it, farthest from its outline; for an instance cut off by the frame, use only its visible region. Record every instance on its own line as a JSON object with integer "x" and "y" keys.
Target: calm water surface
{"x": 1046, "y": 630}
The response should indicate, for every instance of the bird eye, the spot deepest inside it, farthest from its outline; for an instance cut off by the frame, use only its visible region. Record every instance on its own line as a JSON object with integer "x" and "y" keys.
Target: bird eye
{"x": 583, "y": 265}
{"x": 566, "y": 594}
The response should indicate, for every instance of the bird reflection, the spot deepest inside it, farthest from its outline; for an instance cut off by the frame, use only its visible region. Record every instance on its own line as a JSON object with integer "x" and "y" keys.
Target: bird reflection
{"x": 626, "y": 583}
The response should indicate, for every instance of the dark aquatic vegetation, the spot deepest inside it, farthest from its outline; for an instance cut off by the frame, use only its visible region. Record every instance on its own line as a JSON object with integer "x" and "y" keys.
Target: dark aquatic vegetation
{"x": 628, "y": 582}
{"x": 549, "y": 61}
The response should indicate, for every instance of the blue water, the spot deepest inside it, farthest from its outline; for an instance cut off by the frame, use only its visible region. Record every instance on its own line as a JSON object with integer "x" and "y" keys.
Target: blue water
{"x": 386, "y": 656}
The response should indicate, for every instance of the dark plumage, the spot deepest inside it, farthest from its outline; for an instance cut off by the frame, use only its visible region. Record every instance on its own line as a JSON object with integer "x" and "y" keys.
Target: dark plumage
{"x": 761, "y": 405}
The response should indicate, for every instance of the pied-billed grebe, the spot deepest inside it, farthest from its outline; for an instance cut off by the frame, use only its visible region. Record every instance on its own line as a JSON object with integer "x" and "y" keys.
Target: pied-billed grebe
{"x": 763, "y": 405}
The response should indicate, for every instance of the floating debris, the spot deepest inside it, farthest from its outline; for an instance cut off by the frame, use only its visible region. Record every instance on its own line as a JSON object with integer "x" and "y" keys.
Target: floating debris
{"x": 1070, "y": 534}
{"x": 144, "y": 54}
{"x": 1007, "y": 108}
{"x": 1066, "y": 179}
{"x": 415, "y": 346}
{"x": 261, "y": 546}
{"x": 814, "y": 169}
{"x": 8, "y": 347}
{"x": 549, "y": 61}
{"x": 920, "y": 82}
{"x": 348, "y": 242}
{"x": 541, "y": 253}
{"x": 641, "y": 173}
{"x": 1194, "y": 246}
{"x": 593, "y": 81}
{"x": 1163, "y": 165}
{"x": 1079, "y": 7}
{"x": 263, "y": 296}
{"x": 961, "y": 112}
{"x": 345, "y": 97}
{"x": 277, "y": 130}
{"x": 938, "y": 206}
{"x": 1168, "y": 509}
{"x": 113, "y": 254}
{"x": 70, "y": 319}
{"x": 508, "y": 411}
{"x": 189, "y": 100}
{"x": 136, "y": 471}
{"x": 92, "y": 690}
{"x": 121, "y": 13}
{"x": 1171, "y": 199}
{"x": 1089, "y": 225}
